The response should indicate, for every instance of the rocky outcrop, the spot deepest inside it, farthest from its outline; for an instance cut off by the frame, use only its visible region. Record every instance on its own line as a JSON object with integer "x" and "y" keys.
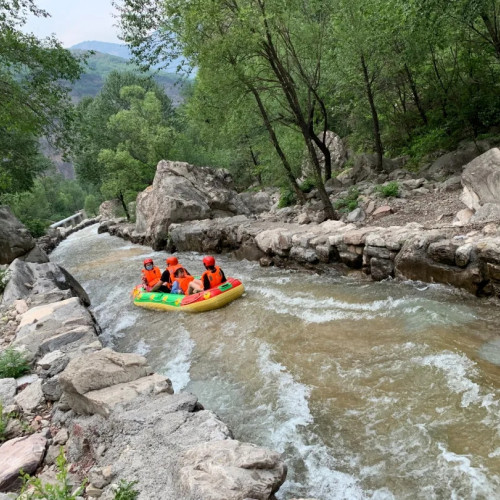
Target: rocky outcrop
{"x": 182, "y": 192}
{"x": 481, "y": 186}
{"x": 15, "y": 239}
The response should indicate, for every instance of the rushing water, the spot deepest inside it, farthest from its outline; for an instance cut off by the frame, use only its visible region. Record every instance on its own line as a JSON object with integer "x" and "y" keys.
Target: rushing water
{"x": 370, "y": 390}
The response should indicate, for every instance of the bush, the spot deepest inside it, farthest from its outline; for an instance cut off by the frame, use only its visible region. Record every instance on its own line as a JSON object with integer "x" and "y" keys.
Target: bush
{"x": 4, "y": 420}
{"x": 126, "y": 491}
{"x": 308, "y": 185}
{"x": 4, "y": 278}
{"x": 58, "y": 491}
{"x": 287, "y": 198}
{"x": 13, "y": 364}
{"x": 388, "y": 190}
{"x": 36, "y": 227}
{"x": 91, "y": 205}
{"x": 349, "y": 203}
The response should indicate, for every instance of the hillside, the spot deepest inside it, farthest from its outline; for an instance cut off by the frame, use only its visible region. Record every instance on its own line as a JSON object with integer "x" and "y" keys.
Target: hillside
{"x": 99, "y": 65}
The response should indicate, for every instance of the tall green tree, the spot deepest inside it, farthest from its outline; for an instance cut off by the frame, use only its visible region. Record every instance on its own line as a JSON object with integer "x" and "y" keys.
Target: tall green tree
{"x": 33, "y": 96}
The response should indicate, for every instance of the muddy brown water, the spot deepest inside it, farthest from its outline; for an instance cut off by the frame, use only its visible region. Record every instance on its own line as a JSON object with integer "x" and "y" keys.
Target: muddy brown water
{"x": 369, "y": 390}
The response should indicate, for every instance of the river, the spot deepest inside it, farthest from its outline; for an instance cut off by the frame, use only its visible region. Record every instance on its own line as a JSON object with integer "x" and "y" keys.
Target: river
{"x": 369, "y": 390}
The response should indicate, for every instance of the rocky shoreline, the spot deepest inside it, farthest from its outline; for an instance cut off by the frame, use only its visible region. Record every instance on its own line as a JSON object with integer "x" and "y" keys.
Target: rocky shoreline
{"x": 115, "y": 419}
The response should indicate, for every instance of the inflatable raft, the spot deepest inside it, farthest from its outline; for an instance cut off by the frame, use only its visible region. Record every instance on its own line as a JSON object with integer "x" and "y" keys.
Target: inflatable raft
{"x": 198, "y": 302}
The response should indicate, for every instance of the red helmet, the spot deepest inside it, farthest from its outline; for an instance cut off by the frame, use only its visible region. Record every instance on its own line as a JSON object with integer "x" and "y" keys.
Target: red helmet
{"x": 148, "y": 261}
{"x": 209, "y": 261}
{"x": 172, "y": 261}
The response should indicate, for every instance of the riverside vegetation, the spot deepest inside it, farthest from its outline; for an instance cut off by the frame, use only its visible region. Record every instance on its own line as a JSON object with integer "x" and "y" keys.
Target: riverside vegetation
{"x": 292, "y": 73}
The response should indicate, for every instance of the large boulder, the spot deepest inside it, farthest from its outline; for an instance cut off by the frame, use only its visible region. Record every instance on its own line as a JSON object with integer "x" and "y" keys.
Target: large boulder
{"x": 15, "y": 239}
{"x": 481, "y": 180}
{"x": 97, "y": 382}
{"x": 182, "y": 192}
{"x": 42, "y": 283}
{"x": 212, "y": 469}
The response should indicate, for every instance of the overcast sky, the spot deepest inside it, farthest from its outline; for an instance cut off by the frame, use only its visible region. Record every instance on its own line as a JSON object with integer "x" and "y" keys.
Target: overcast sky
{"x": 74, "y": 21}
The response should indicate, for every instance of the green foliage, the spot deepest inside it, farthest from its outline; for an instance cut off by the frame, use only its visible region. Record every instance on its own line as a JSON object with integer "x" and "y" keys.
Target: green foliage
{"x": 4, "y": 278}
{"x": 126, "y": 490}
{"x": 287, "y": 198}
{"x": 307, "y": 185}
{"x": 426, "y": 143}
{"x": 4, "y": 420}
{"x": 33, "y": 488}
{"x": 391, "y": 189}
{"x": 13, "y": 364}
{"x": 91, "y": 205}
{"x": 34, "y": 98}
{"x": 51, "y": 198}
{"x": 349, "y": 202}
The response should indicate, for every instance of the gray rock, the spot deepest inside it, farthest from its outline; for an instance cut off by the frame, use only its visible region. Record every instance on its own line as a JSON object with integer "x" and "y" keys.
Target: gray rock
{"x": 31, "y": 398}
{"x": 182, "y": 192}
{"x": 481, "y": 180}
{"x": 53, "y": 363}
{"x": 212, "y": 469}
{"x": 8, "y": 388}
{"x": 381, "y": 269}
{"x": 357, "y": 215}
{"x": 487, "y": 212}
{"x": 15, "y": 239}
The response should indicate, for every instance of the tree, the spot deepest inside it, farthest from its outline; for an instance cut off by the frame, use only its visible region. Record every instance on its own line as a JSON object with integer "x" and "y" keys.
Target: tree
{"x": 92, "y": 132}
{"x": 255, "y": 43}
{"x": 33, "y": 98}
{"x": 139, "y": 136}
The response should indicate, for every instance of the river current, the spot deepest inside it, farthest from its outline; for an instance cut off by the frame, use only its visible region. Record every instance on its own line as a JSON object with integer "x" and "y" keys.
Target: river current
{"x": 369, "y": 390}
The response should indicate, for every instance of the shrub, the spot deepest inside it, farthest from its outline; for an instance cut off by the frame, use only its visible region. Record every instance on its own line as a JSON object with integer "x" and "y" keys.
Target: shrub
{"x": 308, "y": 185}
{"x": 4, "y": 420}
{"x": 349, "y": 203}
{"x": 13, "y": 364}
{"x": 388, "y": 190}
{"x": 91, "y": 205}
{"x": 36, "y": 227}
{"x": 58, "y": 491}
{"x": 287, "y": 198}
{"x": 4, "y": 278}
{"x": 126, "y": 490}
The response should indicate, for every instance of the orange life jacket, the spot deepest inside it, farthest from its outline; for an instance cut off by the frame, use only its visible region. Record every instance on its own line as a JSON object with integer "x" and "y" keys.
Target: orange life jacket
{"x": 172, "y": 269}
{"x": 215, "y": 277}
{"x": 184, "y": 283}
{"x": 152, "y": 276}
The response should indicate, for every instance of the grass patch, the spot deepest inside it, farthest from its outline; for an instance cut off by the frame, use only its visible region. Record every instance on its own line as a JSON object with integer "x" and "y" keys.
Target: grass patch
{"x": 13, "y": 364}
{"x": 33, "y": 488}
{"x": 126, "y": 491}
{"x": 388, "y": 190}
{"x": 348, "y": 203}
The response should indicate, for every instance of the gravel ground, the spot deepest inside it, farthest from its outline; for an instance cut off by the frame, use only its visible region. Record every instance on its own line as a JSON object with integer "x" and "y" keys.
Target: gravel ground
{"x": 431, "y": 210}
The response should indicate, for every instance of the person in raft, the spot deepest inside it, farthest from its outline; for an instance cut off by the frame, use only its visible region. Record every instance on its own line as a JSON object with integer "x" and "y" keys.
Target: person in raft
{"x": 168, "y": 276}
{"x": 181, "y": 282}
{"x": 151, "y": 276}
{"x": 212, "y": 277}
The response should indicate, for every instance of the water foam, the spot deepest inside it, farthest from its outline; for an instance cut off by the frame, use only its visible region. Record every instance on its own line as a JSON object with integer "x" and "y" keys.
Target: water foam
{"x": 178, "y": 367}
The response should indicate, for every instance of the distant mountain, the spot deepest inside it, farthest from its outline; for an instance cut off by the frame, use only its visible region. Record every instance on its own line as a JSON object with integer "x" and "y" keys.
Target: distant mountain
{"x": 119, "y": 50}
{"x": 113, "y": 49}
{"x": 99, "y": 65}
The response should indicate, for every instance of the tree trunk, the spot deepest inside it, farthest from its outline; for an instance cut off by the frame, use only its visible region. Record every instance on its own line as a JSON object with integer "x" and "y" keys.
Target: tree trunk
{"x": 376, "y": 125}
{"x": 416, "y": 97}
{"x": 124, "y": 205}
{"x": 256, "y": 164}
{"x": 272, "y": 135}
{"x": 493, "y": 32}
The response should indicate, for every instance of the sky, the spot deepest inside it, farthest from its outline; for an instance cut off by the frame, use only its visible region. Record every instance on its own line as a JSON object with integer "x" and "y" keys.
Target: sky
{"x": 74, "y": 21}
